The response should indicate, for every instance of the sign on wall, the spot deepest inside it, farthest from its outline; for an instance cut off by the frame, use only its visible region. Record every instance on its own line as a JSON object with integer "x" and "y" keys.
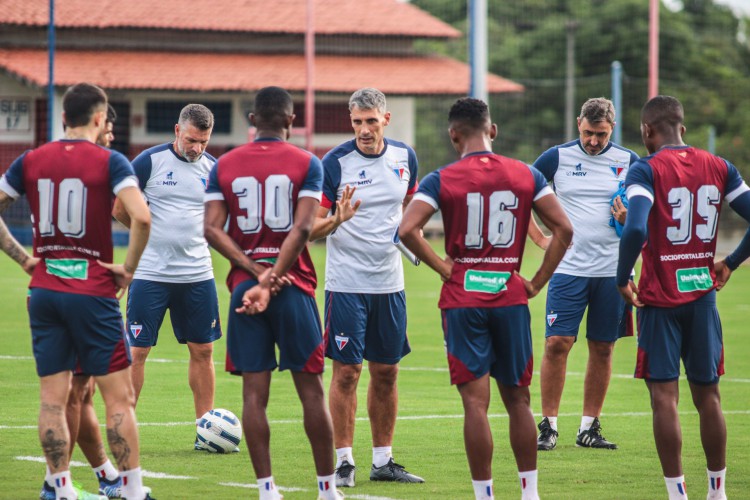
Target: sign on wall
{"x": 15, "y": 114}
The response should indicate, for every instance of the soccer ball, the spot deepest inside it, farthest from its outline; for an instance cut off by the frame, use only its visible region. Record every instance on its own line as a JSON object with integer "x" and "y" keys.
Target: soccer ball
{"x": 219, "y": 431}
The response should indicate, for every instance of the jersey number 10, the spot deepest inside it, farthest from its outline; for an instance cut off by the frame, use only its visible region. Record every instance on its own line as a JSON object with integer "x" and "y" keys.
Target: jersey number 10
{"x": 501, "y": 226}
{"x": 277, "y": 215}
{"x": 71, "y": 207}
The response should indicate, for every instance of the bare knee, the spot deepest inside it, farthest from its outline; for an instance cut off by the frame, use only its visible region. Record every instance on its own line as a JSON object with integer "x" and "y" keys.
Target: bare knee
{"x": 201, "y": 353}
{"x": 601, "y": 350}
{"x": 558, "y": 346}
{"x": 139, "y": 355}
{"x": 383, "y": 375}
{"x": 515, "y": 397}
{"x": 346, "y": 377}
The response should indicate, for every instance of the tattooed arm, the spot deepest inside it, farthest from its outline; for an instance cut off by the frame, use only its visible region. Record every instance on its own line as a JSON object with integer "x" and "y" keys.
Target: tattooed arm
{"x": 9, "y": 244}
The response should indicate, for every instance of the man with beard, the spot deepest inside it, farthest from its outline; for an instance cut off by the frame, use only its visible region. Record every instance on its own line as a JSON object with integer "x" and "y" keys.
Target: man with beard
{"x": 176, "y": 271}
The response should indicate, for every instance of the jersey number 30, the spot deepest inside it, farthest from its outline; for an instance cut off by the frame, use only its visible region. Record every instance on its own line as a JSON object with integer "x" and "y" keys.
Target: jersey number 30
{"x": 501, "y": 226}
{"x": 71, "y": 207}
{"x": 278, "y": 203}
{"x": 681, "y": 199}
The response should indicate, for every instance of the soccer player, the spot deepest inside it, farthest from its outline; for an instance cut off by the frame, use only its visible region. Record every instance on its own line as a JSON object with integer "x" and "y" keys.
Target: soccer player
{"x": 585, "y": 174}
{"x": 365, "y": 304}
{"x": 675, "y": 197}
{"x": 486, "y": 200}
{"x": 270, "y": 191}
{"x": 83, "y": 424}
{"x": 176, "y": 271}
{"x": 74, "y": 313}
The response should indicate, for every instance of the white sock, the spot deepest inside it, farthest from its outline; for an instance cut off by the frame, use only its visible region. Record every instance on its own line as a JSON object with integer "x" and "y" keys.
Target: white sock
{"x": 381, "y": 455}
{"x": 63, "y": 485}
{"x": 528, "y": 481}
{"x": 132, "y": 484}
{"x": 327, "y": 487}
{"x": 716, "y": 483}
{"x": 483, "y": 490}
{"x": 676, "y": 488}
{"x": 344, "y": 454}
{"x": 267, "y": 489}
{"x": 552, "y": 422}
{"x": 586, "y": 423}
{"x": 106, "y": 471}
{"x": 47, "y": 475}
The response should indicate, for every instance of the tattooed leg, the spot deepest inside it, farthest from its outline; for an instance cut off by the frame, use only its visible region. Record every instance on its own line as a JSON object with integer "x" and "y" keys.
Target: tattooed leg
{"x": 53, "y": 429}
{"x": 122, "y": 431}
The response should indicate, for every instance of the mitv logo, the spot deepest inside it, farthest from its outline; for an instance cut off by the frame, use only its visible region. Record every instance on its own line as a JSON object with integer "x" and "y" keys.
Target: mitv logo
{"x": 169, "y": 181}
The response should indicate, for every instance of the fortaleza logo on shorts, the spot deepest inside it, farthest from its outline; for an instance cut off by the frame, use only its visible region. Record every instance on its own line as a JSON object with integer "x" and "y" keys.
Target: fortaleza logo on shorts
{"x": 75, "y": 269}
{"x": 551, "y": 318}
{"x": 341, "y": 341}
{"x": 693, "y": 279}
{"x": 136, "y": 329}
{"x": 485, "y": 281}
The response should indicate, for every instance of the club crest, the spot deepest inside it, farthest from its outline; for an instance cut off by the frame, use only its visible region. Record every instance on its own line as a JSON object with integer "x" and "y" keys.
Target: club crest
{"x": 551, "y": 318}
{"x": 136, "y": 330}
{"x": 341, "y": 341}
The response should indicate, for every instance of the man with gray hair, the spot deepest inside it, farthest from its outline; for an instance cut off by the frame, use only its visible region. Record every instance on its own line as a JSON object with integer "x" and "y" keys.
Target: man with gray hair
{"x": 176, "y": 272}
{"x": 586, "y": 174}
{"x": 365, "y": 305}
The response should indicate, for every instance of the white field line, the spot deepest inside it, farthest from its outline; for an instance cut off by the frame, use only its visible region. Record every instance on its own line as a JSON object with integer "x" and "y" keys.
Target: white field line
{"x": 405, "y": 418}
{"x": 283, "y": 488}
{"x": 401, "y": 368}
{"x": 76, "y": 463}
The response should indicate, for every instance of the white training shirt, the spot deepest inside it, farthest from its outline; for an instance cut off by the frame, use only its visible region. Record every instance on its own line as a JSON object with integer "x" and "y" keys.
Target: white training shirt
{"x": 584, "y": 184}
{"x": 361, "y": 256}
{"x": 177, "y": 251}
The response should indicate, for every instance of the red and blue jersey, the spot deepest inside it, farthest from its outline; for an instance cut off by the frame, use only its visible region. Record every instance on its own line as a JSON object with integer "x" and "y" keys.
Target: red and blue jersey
{"x": 70, "y": 186}
{"x": 260, "y": 183}
{"x": 686, "y": 186}
{"x": 486, "y": 202}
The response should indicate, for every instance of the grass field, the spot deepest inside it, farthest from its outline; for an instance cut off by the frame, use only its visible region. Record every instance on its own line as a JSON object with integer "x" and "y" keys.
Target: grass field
{"x": 429, "y": 431}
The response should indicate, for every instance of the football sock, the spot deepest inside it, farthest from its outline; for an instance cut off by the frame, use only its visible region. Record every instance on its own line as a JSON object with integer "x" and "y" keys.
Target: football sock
{"x": 106, "y": 471}
{"x": 63, "y": 485}
{"x": 344, "y": 454}
{"x": 132, "y": 484}
{"x": 267, "y": 489}
{"x": 381, "y": 455}
{"x": 716, "y": 483}
{"x": 528, "y": 485}
{"x": 676, "y": 488}
{"x": 552, "y": 422}
{"x": 47, "y": 475}
{"x": 586, "y": 423}
{"x": 483, "y": 490}
{"x": 327, "y": 487}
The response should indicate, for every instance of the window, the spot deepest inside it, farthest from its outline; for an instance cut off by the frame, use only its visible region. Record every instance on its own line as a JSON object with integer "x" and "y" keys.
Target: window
{"x": 161, "y": 116}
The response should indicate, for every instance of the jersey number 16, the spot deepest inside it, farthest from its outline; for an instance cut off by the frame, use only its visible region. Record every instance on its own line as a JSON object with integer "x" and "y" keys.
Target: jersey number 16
{"x": 501, "y": 226}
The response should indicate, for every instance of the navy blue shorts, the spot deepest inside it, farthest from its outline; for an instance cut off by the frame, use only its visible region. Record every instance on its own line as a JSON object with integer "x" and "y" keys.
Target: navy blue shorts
{"x": 366, "y": 326}
{"x": 608, "y": 318}
{"x": 71, "y": 331}
{"x": 495, "y": 340}
{"x": 291, "y": 321}
{"x": 691, "y": 332}
{"x": 193, "y": 309}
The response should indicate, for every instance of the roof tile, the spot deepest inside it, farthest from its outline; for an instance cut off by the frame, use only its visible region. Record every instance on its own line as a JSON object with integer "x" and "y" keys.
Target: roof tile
{"x": 362, "y": 17}
{"x": 247, "y": 72}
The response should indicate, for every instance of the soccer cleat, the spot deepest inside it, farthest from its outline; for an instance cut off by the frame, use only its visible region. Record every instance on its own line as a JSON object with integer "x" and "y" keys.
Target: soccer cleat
{"x": 593, "y": 438}
{"x": 547, "y": 439}
{"x": 393, "y": 472}
{"x": 85, "y": 495}
{"x": 113, "y": 488}
{"x": 345, "y": 475}
{"x": 47, "y": 493}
